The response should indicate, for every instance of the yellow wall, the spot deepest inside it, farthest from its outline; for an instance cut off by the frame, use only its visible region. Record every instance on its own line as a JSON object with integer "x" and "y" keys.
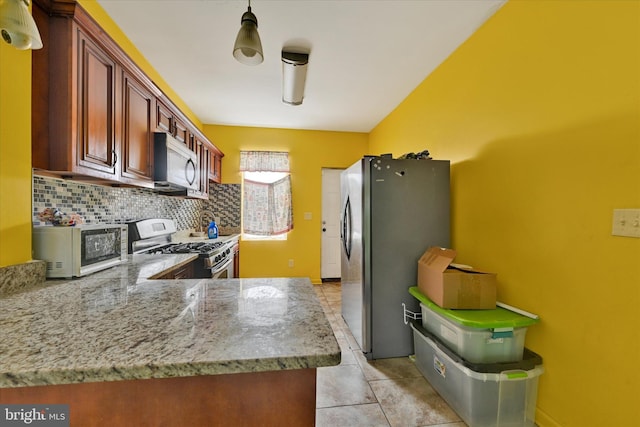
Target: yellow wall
{"x": 15, "y": 155}
{"x": 309, "y": 152}
{"x": 539, "y": 112}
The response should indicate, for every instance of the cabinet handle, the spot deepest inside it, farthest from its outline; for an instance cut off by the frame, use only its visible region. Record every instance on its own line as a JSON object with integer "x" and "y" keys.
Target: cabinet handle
{"x": 115, "y": 158}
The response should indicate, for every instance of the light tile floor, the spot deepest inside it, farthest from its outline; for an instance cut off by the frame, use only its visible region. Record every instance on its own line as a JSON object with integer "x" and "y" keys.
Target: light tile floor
{"x": 378, "y": 393}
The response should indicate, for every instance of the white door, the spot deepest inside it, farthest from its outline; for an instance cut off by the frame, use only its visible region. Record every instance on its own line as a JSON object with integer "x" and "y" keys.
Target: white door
{"x": 330, "y": 262}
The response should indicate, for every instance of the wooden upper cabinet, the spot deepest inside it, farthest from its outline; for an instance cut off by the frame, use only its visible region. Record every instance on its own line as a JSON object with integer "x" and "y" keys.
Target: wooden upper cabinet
{"x": 203, "y": 150}
{"x": 94, "y": 119}
{"x": 168, "y": 121}
{"x": 215, "y": 167}
{"x": 180, "y": 131}
{"x": 94, "y": 111}
{"x": 164, "y": 118}
{"x": 96, "y": 116}
{"x": 75, "y": 114}
{"x": 138, "y": 105}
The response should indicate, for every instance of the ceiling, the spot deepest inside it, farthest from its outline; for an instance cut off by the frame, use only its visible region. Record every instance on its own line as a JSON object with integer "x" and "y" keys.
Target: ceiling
{"x": 365, "y": 56}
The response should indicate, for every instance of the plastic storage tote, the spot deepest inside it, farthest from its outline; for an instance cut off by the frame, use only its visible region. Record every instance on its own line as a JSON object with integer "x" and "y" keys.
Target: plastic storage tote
{"x": 481, "y": 336}
{"x": 489, "y": 395}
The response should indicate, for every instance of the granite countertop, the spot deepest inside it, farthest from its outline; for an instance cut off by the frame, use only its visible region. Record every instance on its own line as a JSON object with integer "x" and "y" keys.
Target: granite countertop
{"x": 119, "y": 325}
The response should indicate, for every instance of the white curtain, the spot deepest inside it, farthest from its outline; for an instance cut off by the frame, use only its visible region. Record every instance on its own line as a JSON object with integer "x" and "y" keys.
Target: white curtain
{"x": 267, "y": 209}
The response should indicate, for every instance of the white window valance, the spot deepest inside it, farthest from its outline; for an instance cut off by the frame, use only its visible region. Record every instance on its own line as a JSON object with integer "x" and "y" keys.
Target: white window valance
{"x": 264, "y": 161}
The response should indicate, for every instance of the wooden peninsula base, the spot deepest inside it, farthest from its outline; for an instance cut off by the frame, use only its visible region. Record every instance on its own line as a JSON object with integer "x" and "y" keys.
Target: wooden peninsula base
{"x": 273, "y": 398}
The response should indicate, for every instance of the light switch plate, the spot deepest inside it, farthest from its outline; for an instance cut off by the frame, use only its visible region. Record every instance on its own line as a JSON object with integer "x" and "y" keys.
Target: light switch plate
{"x": 626, "y": 222}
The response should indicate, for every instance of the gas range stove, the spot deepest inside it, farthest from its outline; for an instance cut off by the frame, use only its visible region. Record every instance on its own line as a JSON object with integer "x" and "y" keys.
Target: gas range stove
{"x": 153, "y": 237}
{"x": 212, "y": 252}
{"x": 205, "y": 248}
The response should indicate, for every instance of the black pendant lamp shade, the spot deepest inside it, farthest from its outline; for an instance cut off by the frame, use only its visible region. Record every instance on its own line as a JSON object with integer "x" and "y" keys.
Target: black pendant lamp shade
{"x": 248, "y": 48}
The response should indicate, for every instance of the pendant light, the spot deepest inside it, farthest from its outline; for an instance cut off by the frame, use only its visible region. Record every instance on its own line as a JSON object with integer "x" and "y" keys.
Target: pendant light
{"x": 17, "y": 26}
{"x": 248, "y": 49}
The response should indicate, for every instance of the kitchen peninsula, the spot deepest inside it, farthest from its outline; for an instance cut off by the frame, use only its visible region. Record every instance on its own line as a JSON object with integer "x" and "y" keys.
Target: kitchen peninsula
{"x": 121, "y": 349}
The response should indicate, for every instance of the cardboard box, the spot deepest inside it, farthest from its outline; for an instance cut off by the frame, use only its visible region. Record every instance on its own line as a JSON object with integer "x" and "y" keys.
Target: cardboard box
{"x": 454, "y": 287}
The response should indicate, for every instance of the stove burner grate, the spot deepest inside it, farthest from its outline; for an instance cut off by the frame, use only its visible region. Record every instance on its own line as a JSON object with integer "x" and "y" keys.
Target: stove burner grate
{"x": 187, "y": 248}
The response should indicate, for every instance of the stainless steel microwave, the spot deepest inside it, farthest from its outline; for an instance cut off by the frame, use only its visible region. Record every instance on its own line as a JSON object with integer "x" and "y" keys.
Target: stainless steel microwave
{"x": 80, "y": 250}
{"x": 175, "y": 167}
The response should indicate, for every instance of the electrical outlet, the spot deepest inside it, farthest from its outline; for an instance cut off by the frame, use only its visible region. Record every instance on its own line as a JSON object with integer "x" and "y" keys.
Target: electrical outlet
{"x": 626, "y": 222}
{"x": 290, "y": 263}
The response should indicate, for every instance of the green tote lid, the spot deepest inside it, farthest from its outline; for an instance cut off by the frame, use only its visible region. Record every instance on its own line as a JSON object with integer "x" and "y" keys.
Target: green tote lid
{"x": 481, "y": 319}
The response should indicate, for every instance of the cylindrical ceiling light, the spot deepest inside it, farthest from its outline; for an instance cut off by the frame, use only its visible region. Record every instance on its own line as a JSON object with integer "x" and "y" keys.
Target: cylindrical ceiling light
{"x": 248, "y": 49}
{"x": 294, "y": 75}
{"x": 17, "y": 26}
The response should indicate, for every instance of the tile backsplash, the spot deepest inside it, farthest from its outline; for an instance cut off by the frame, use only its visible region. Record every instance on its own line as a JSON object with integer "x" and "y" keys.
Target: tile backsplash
{"x": 101, "y": 204}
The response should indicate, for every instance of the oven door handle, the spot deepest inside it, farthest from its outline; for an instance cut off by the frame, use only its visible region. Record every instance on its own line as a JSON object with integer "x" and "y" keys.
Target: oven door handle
{"x": 223, "y": 267}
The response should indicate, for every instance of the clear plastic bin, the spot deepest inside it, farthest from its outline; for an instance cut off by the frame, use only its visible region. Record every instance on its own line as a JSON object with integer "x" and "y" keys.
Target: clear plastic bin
{"x": 481, "y": 336}
{"x": 483, "y": 395}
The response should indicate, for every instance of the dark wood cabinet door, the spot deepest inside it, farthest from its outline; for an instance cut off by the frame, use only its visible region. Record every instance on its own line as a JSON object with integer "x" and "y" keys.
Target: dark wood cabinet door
{"x": 183, "y": 272}
{"x": 164, "y": 119}
{"x": 204, "y": 158}
{"x": 96, "y": 105}
{"x": 138, "y": 105}
{"x": 215, "y": 167}
{"x": 180, "y": 131}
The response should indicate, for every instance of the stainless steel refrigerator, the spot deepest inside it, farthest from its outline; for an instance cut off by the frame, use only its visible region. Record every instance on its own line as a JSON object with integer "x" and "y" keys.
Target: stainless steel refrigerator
{"x": 392, "y": 211}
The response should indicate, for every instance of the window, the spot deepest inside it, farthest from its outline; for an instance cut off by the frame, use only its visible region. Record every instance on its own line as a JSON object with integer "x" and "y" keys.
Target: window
{"x": 266, "y": 207}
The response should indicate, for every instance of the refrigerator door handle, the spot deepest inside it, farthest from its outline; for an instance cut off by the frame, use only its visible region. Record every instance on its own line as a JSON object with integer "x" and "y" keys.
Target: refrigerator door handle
{"x": 346, "y": 229}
